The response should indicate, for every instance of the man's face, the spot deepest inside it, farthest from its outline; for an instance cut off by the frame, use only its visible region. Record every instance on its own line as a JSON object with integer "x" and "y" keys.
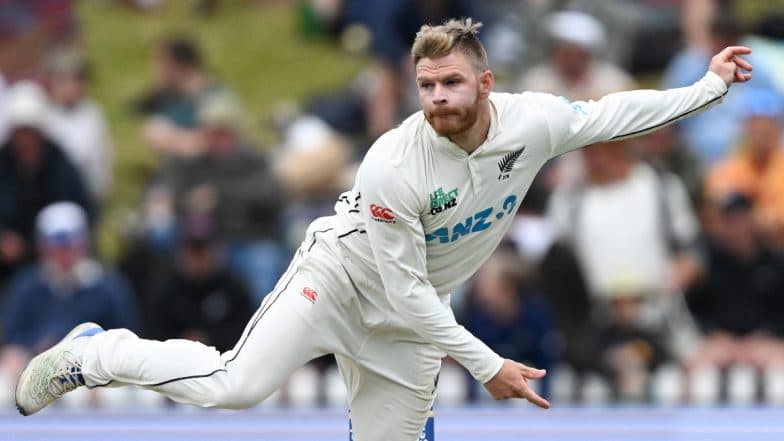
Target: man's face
{"x": 450, "y": 91}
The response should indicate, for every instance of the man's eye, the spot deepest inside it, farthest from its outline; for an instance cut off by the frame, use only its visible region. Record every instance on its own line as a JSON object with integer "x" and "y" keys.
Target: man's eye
{"x": 426, "y": 85}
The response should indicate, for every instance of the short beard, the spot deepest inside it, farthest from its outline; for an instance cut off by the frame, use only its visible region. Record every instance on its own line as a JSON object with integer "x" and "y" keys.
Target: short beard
{"x": 466, "y": 119}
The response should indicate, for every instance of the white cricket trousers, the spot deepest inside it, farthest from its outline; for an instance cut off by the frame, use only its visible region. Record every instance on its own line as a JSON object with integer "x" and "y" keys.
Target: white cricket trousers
{"x": 389, "y": 374}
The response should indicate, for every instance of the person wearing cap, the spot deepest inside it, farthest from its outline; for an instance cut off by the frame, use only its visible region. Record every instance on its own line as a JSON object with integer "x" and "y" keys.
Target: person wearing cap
{"x": 574, "y": 69}
{"x": 77, "y": 122}
{"x": 233, "y": 183}
{"x": 757, "y": 169}
{"x": 63, "y": 288}
{"x": 34, "y": 172}
{"x": 738, "y": 304}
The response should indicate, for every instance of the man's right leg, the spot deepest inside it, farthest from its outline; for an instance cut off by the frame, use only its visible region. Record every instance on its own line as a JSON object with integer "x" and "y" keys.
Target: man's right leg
{"x": 289, "y": 329}
{"x": 278, "y": 339}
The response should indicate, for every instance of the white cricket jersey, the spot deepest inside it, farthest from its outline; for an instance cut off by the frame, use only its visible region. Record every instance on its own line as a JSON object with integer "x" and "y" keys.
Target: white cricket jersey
{"x": 424, "y": 215}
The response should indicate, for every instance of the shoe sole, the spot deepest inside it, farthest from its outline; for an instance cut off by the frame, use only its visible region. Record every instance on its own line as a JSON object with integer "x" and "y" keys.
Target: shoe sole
{"x": 75, "y": 332}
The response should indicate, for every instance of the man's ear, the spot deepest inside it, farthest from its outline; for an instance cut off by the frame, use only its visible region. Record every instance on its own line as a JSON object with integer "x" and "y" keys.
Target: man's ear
{"x": 486, "y": 82}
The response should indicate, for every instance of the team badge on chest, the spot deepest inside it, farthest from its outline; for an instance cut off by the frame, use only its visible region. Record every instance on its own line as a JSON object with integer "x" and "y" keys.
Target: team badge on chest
{"x": 506, "y": 164}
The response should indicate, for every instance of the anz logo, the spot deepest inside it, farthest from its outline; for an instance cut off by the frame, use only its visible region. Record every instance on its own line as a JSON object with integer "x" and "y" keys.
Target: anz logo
{"x": 478, "y": 222}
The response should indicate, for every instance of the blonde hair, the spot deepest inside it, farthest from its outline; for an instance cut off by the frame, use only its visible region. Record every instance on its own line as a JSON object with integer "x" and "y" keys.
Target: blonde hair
{"x": 453, "y": 35}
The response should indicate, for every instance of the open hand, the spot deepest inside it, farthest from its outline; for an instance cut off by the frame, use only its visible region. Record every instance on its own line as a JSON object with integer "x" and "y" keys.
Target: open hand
{"x": 512, "y": 382}
{"x": 730, "y": 66}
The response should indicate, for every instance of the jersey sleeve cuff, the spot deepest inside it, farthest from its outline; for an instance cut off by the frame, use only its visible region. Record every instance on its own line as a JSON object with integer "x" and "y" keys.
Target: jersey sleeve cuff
{"x": 493, "y": 368}
{"x": 715, "y": 82}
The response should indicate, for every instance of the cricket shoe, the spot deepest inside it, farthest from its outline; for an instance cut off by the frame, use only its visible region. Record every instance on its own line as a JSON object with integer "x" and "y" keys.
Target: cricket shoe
{"x": 54, "y": 372}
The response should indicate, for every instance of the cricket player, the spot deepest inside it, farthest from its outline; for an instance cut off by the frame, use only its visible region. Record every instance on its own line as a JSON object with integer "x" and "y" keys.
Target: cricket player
{"x": 371, "y": 284}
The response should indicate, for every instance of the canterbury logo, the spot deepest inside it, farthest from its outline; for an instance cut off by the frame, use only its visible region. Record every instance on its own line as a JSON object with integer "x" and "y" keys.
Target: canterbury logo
{"x": 309, "y": 294}
{"x": 506, "y": 164}
{"x": 381, "y": 214}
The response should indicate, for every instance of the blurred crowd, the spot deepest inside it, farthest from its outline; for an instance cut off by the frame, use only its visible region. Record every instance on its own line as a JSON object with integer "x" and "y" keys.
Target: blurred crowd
{"x": 625, "y": 257}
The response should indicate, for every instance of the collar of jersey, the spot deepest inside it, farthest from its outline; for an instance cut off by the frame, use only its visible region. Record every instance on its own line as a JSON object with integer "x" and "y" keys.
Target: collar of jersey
{"x": 445, "y": 144}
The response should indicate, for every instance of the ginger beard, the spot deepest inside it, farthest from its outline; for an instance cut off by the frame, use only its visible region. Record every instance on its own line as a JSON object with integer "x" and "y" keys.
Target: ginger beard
{"x": 454, "y": 119}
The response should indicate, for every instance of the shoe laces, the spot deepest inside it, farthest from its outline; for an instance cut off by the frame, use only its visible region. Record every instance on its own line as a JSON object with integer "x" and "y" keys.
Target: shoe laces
{"x": 66, "y": 376}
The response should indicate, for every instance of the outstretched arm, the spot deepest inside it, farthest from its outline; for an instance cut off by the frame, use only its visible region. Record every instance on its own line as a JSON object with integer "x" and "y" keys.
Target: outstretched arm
{"x": 628, "y": 114}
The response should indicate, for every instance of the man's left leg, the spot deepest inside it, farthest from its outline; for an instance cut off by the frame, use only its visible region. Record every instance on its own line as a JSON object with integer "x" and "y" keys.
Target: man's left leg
{"x": 391, "y": 386}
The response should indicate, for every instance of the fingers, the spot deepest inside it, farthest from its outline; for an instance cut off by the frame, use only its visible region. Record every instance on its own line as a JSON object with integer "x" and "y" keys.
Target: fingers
{"x": 532, "y": 373}
{"x": 527, "y": 393}
{"x": 743, "y": 64}
{"x": 741, "y": 77}
{"x": 729, "y": 52}
{"x": 525, "y": 390}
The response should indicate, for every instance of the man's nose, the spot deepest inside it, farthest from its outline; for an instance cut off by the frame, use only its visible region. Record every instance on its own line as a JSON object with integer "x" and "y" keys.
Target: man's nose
{"x": 439, "y": 94}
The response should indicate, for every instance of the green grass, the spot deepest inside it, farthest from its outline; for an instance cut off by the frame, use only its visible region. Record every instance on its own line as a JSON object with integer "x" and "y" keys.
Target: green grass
{"x": 255, "y": 50}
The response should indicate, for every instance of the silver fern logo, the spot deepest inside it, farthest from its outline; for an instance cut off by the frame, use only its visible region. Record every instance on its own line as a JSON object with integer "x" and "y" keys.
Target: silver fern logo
{"x": 506, "y": 164}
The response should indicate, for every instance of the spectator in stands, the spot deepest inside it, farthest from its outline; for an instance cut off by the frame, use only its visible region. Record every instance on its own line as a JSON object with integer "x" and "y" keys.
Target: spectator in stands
{"x": 739, "y": 305}
{"x": 504, "y": 309}
{"x": 233, "y": 184}
{"x": 757, "y": 169}
{"x": 76, "y": 121}
{"x": 34, "y": 172}
{"x": 573, "y": 70}
{"x": 182, "y": 86}
{"x": 200, "y": 299}
{"x": 64, "y": 288}
{"x": 315, "y": 165}
{"x": 646, "y": 227}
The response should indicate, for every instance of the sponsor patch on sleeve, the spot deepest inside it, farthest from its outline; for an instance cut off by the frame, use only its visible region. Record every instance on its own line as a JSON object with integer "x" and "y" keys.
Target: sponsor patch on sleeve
{"x": 381, "y": 214}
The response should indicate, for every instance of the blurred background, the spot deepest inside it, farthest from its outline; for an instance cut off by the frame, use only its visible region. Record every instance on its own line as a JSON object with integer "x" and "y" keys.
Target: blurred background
{"x": 161, "y": 159}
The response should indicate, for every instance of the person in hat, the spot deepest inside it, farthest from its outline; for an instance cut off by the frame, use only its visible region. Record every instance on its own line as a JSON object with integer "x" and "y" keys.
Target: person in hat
{"x": 575, "y": 69}
{"x": 34, "y": 172}
{"x": 63, "y": 288}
